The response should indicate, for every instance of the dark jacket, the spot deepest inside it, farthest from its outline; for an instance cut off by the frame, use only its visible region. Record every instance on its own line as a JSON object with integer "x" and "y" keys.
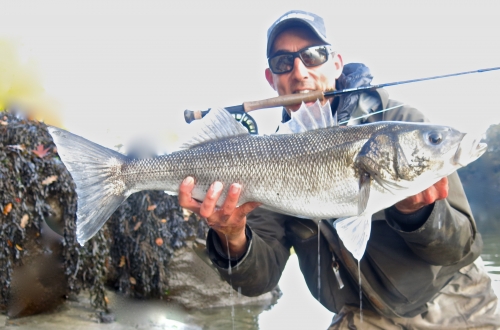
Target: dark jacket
{"x": 408, "y": 259}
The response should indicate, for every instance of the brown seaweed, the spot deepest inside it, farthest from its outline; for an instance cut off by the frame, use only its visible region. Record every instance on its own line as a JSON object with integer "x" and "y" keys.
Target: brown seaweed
{"x": 131, "y": 253}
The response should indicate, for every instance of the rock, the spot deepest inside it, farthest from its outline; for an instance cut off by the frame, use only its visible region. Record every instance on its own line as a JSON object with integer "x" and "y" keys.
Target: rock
{"x": 39, "y": 285}
{"x": 195, "y": 283}
{"x": 42, "y": 263}
{"x": 106, "y": 317}
{"x": 3, "y": 320}
{"x": 40, "y": 259}
{"x": 36, "y": 288}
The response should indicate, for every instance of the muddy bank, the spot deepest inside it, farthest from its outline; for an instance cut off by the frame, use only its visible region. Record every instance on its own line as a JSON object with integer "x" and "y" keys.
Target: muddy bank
{"x": 130, "y": 313}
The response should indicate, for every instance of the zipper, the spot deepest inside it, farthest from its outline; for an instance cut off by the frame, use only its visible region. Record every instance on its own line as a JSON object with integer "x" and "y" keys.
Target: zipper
{"x": 335, "y": 264}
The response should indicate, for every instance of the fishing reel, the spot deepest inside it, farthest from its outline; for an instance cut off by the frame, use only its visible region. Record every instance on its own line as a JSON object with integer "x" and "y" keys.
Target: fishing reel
{"x": 247, "y": 121}
{"x": 237, "y": 112}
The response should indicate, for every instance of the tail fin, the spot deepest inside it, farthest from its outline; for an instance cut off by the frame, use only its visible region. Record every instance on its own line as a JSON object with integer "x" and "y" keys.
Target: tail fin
{"x": 95, "y": 170}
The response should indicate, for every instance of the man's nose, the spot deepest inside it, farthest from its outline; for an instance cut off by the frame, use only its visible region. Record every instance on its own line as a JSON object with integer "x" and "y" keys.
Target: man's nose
{"x": 299, "y": 69}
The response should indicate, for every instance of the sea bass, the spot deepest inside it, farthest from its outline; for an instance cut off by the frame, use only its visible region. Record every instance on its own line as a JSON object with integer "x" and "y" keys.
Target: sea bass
{"x": 313, "y": 170}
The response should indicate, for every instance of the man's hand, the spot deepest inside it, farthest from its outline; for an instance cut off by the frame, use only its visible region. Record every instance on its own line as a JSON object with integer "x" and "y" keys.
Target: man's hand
{"x": 414, "y": 203}
{"x": 229, "y": 221}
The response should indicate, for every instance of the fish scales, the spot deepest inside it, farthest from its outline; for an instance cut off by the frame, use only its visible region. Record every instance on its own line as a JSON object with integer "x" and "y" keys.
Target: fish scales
{"x": 292, "y": 173}
{"x": 348, "y": 173}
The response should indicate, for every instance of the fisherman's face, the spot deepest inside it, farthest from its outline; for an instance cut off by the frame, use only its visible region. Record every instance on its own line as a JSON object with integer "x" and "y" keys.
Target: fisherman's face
{"x": 303, "y": 79}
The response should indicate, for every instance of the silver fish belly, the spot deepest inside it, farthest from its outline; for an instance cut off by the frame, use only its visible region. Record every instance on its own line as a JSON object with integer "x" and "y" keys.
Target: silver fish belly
{"x": 310, "y": 174}
{"x": 323, "y": 173}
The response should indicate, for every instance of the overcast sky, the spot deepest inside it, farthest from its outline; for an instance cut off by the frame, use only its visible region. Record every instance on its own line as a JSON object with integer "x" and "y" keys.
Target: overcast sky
{"x": 121, "y": 71}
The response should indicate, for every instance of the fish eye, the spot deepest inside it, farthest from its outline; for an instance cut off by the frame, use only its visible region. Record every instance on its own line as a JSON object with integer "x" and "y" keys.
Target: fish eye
{"x": 435, "y": 138}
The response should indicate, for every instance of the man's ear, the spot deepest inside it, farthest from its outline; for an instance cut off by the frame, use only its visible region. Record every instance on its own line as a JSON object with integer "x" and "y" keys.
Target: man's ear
{"x": 339, "y": 65}
{"x": 269, "y": 78}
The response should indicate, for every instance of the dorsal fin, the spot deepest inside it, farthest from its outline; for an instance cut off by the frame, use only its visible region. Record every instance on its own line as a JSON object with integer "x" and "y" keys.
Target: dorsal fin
{"x": 217, "y": 124}
{"x": 309, "y": 118}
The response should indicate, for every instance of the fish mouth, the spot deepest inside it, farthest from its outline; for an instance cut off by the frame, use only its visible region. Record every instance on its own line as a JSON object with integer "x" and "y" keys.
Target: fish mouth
{"x": 469, "y": 149}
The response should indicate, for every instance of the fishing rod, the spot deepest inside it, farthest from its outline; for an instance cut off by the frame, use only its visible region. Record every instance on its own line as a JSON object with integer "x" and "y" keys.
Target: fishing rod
{"x": 240, "y": 111}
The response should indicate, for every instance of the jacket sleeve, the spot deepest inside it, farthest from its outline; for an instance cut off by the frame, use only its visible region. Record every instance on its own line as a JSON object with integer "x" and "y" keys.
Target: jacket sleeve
{"x": 448, "y": 234}
{"x": 260, "y": 268}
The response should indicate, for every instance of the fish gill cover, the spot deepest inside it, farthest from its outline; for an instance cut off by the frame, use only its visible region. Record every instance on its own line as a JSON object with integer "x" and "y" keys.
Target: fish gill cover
{"x": 131, "y": 254}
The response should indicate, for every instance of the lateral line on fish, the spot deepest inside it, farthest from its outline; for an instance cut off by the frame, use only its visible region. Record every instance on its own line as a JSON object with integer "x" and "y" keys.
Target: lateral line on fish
{"x": 373, "y": 113}
{"x": 287, "y": 180}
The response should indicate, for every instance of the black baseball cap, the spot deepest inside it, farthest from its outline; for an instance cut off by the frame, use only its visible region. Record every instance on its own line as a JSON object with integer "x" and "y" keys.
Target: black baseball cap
{"x": 296, "y": 18}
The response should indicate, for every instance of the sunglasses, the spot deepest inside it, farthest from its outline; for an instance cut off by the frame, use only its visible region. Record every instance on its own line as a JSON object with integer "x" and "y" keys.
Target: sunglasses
{"x": 310, "y": 56}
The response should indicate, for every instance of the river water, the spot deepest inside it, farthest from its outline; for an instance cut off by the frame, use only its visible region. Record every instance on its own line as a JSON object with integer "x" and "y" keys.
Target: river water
{"x": 491, "y": 257}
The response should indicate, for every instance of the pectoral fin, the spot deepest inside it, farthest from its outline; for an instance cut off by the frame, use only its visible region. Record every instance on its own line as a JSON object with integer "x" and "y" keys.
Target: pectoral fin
{"x": 354, "y": 233}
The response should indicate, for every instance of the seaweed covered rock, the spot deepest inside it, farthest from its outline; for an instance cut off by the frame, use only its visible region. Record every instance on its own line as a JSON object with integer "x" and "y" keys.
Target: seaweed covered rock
{"x": 158, "y": 251}
{"x": 146, "y": 249}
{"x": 144, "y": 232}
{"x": 195, "y": 283}
{"x": 40, "y": 261}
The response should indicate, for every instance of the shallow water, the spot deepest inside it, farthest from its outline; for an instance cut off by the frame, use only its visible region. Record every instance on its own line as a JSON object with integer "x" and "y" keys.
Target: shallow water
{"x": 491, "y": 257}
{"x": 296, "y": 309}
{"x": 296, "y": 302}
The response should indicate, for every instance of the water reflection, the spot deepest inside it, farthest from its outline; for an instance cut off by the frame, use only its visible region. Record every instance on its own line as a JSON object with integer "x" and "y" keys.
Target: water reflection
{"x": 164, "y": 315}
{"x": 245, "y": 318}
{"x": 491, "y": 257}
{"x": 297, "y": 309}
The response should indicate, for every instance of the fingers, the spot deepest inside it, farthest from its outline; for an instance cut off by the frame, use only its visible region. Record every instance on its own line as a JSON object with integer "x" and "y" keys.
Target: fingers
{"x": 248, "y": 207}
{"x": 442, "y": 188}
{"x": 436, "y": 192}
{"x": 230, "y": 204}
{"x": 210, "y": 202}
{"x": 233, "y": 195}
{"x": 230, "y": 219}
{"x": 185, "y": 199}
{"x": 427, "y": 197}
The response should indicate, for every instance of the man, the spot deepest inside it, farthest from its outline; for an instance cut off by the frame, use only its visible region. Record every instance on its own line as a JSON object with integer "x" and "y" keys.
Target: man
{"x": 421, "y": 267}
